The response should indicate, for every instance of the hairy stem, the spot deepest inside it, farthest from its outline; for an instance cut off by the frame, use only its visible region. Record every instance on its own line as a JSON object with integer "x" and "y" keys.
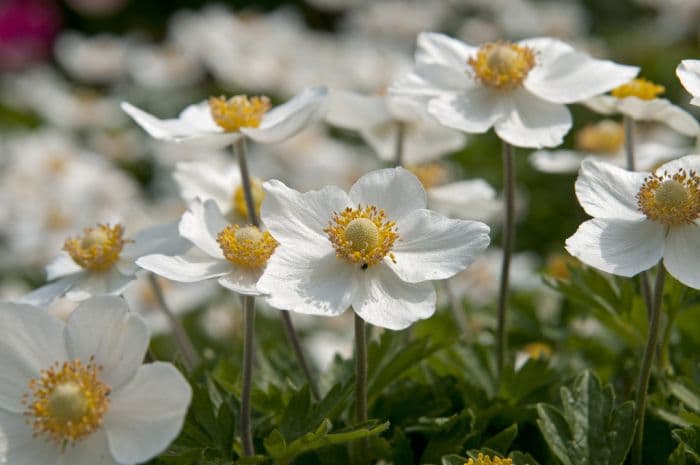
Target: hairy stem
{"x": 301, "y": 358}
{"x": 248, "y": 349}
{"x": 361, "y": 386}
{"x": 508, "y": 239}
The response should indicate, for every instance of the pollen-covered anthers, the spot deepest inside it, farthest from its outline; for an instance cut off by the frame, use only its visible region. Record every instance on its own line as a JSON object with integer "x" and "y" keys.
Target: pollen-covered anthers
{"x": 430, "y": 174}
{"x": 502, "y": 65}
{"x": 98, "y": 248}
{"x": 238, "y": 111}
{"x": 246, "y": 246}
{"x": 641, "y": 88}
{"x": 603, "y": 138}
{"x": 362, "y": 235}
{"x": 482, "y": 459}
{"x": 239, "y": 203}
{"x": 67, "y": 402}
{"x": 673, "y": 200}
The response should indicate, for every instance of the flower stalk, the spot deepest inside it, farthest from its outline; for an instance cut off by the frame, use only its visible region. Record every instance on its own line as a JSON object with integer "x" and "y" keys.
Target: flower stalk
{"x": 508, "y": 239}
{"x": 248, "y": 349}
{"x": 645, "y": 371}
{"x": 400, "y": 138}
{"x": 299, "y": 351}
{"x": 361, "y": 385}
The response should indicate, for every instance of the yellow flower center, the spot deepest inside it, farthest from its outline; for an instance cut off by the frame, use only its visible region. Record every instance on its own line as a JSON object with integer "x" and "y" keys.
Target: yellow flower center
{"x": 429, "y": 174}
{"x": 538, "y": 350}
{"x": 640, "y": 88}
{"x": 559, "y": 266}
{"x": 98, "y": 248}
{"x": 362, "y": 235}
{"x": 239, "y": 204}
{"x": 67, "y": 402}
{"x": 482, "y": 459}
{"x": 672, "y": 200}
{"x": 238, "y": 111}
{"x": 246, "y": 246}
{"x": 604, "y": 138}
{"x": 502, "y": 65}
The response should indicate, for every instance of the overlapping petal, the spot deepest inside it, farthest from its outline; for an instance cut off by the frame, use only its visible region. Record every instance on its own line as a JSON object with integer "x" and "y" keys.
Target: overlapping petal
{"x": 607, "y": 191}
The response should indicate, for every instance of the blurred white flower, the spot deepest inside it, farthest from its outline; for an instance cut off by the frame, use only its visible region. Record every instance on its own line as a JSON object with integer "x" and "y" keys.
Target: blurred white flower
{"x": 638, "y": 100}
{"x": 688, "y": 73}
{"x": 219, "y": 122}
{"x": 162, "y": 67}
{"x": 375, "y": 248}
{"x": 640, "y": 218}
{"x": 518, "y": 88}
{"x": 77, "y": 392}
{"x": 100, "y": 59}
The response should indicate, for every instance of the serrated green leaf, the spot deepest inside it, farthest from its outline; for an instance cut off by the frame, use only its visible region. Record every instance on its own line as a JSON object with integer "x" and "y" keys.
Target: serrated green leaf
{"x": 501, "y": 441}
{"x": 520, "y": 458}
{"x": 589, "y": 430}
{"x": 453, "y": 459}
{"x": 690, "y": 439}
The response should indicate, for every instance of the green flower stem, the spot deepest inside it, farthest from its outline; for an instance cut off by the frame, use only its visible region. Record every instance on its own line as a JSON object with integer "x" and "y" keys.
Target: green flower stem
{"x": 182, "y": 340}
{"x": 248, "y": 349}
{"x": 296, "y": 345}
{"x": 400, "y": 138}
{"x": 645, "y": 372}
{"x": 457, "y": 310}
{"x": 361, "y": 385}
{"x": 508, "y": 239}
{"x": 241, "y": 152}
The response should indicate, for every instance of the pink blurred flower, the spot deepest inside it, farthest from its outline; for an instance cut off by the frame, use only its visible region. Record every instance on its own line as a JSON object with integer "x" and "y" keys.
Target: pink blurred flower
{"x": 27, "y": 29}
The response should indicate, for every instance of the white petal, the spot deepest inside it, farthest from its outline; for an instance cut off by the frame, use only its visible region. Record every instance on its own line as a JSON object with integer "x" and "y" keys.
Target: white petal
{"x": 168, "y": 129}
{"x": 395, "y": 190}
{"x": 184, "y": 269}
{"x": 660, "y": 110}
{"x": 159, "y": 239}
{"x": 298, "y": 217}
{"x": 570, "y": 77}
{"x": 31, "y": 341}
{"x": 110, "y": 282}
{"x": 689, "y": 74}
{"x": 201, "y": 224}
{"x": 473, "y": 111}
{"x": 46, "y": 294}
{"x": 427, "y": 82}
{"x": 472, "y": 199}
{"x": 242, "y": 280}
{"x": 104, "y": 328}
{"x": 436, "y": 48}
{"x": 556, "y": 161}
{"x": 682, "y": 254}
{"x": 534, "y": 122}
{"x": 620, "y": 247}
{"x": 603, "y": 104}
{"x": 607, "y": 191}
{"x": 286, "y": 120}
{"x": 93, "y": 450}
{"x": 147, "y": 414}
{"x": 386, "y": 301}
{"x": 199, "y": 116}
{"x": 431, "y": 246}
{"x": 649, "y": 154}
{"x": 309, "y": 284}
{"x": 204, "y": 181}
{"x": 19, "y": 447}
{"x": 61, "y": 265}
{"x": 688, "y": 163}
{"x": 351, "y": 110}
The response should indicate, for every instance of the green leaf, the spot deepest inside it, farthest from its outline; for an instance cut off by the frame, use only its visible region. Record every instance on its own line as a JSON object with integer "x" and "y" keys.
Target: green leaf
{"x": 516, "y": 386}
{"x": 589, "y": 430}
{"x": 520, "y": 458}
{"x": 684, "y": 391}
{"x": 690, "y": 439}
{"x": 501, "y": 442}
{"x": 453, "y": 459}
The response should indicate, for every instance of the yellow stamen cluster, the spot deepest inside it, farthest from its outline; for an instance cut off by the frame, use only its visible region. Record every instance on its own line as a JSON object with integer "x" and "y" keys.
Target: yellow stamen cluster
{"x": 98, "y": 248}
{"x": 482, "y": 459}
{"x": 640, "y": 88}
{"x": 362, "y": 235}
{"x": 239, "y": 204}
{"x": 67, "y": 402}
{"x": 559, "y": 266}
{"x": 246, "y": 246}
{"x": 238, "y": 111}
{"x": 502, "y": 65}
{"x": 672, "y": 200}
{"x": 604, "y": 138}
{"x": 538, "y": 350}
{"x": 429, "y": 174}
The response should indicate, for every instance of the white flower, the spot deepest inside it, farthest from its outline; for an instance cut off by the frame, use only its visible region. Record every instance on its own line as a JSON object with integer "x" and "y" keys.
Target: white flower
{"x": 162, "y": 67}
{"x": 518, "y": 88}
{"x": 99, "y": 59}
{"x": 377, "y": 118}
{"x": 218, "y": 122}
{"x": 234, "y": 254}
{"x": 688, "y": 73}
{"x": 638, "y": 100}
{"x": 640, "y": 218}
{"x": 375, "y": 248}
{"x": 605, "y": 141}
{"x": 76, "y": 392}
{"x": 102, "y": 262}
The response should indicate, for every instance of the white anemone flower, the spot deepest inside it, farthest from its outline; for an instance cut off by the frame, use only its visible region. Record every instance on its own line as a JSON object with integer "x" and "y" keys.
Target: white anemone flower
{"x": 688, "y": 73}
{"x": 76, "y": 392}
{"x": 218, "y": 122}
{"x": 234, "y": 254}
{"x": 376, "y": 248}
{"x": 640, "y": 218}
{"x": 638, "y": 99}
{"x": 604, "y": 141}
{"x": 381, "y": 120}
{"x": 102, "y": 261}
{"x": 520, "y": 88}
